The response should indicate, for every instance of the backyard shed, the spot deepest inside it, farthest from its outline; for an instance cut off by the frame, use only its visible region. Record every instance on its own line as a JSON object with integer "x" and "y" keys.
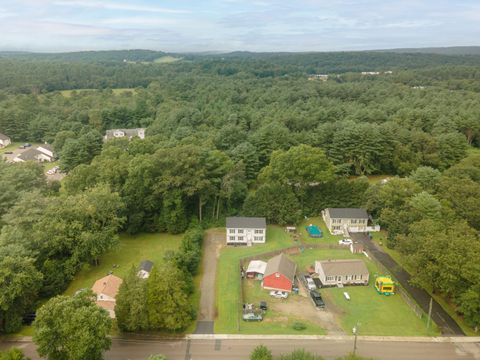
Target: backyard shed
{"x": 144, "y": 269}
{"x": 279, "y": 273}
{"x": 256, "y": 269}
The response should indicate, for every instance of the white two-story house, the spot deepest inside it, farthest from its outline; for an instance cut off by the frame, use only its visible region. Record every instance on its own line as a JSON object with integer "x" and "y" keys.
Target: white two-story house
{"x": 342, "y": 220}
{"x": 246, "y": 230}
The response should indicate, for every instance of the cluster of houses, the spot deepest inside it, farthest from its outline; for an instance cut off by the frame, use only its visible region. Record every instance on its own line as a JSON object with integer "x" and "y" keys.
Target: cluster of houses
{"x": 106, "y": 288}
{"x": 278, "y": 273}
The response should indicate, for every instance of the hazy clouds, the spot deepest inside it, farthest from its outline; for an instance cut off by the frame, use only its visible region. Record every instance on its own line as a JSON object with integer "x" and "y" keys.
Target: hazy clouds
{"x": 226, "y": 25}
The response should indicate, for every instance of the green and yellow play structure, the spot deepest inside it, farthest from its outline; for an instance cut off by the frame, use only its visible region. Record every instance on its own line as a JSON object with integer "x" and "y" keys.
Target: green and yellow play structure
{"x": 385, "y": 285}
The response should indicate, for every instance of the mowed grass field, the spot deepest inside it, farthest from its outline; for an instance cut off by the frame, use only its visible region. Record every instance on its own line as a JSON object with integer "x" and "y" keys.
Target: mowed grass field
{"x": 327, "y": 238}
{"x": 131, "y": 250}
{"x": 228, "y": 302}
{"x": 377, "y": 314}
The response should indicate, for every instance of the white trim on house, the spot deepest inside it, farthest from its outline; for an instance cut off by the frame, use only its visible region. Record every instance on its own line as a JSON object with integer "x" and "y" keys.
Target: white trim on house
{"x": 240, "y": 232}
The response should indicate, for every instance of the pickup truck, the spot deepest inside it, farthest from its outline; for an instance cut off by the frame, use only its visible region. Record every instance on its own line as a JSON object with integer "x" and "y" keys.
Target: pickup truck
{"x": 317, "y": 299}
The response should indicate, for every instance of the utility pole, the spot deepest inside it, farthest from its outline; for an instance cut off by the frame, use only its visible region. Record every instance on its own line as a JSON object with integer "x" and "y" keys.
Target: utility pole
{"x": 429, "y": 313}
{"x": 355, "y": 333}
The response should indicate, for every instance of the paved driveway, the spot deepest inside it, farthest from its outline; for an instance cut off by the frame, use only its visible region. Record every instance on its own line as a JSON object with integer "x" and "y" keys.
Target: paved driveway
{"x": 447, "y": 325}
{"x": 213, "y": 242}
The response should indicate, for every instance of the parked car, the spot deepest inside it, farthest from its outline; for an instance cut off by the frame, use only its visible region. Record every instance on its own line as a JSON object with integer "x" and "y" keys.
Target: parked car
{"x": 310, "y": 284}
{"x": 279, "y": 294}
{"x": 8, "y": 152}
{"x": 317, "y": 299}
{"x": 263, "y": 305}
{"x": 345, "y": 242}
{"x": 252, "y": 317}
{"x": 27, "y": 145}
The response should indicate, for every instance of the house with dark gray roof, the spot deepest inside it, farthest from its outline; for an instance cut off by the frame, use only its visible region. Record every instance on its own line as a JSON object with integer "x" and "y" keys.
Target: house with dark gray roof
{"x": 246, "y": 230}
{"x": 344, "y": 272}
{"x": 279, "y": 273}
{"x": 124, "y": 133}
{"x": 42, "y": 153}
{"x": 4, "y": 140}
{"x": 340, "y": 220}
{"x": 144, "y": 269}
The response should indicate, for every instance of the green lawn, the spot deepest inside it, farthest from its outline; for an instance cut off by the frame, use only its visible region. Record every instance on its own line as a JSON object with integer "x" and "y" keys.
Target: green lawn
{"x": 327, "y": 237}
{"x": 228, "y": 278}
{"x": 274, "y": 322}
{"x": 10, "y": 147}
{"x": 378, "y": 315}
{"x": 380, "y": 238}
{"x": 166, "y": 60}
{"x": 130, "y": 252}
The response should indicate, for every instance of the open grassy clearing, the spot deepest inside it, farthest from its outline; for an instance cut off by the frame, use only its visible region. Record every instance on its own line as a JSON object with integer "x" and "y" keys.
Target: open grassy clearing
{"x": 318, "y": 221}
{"x": 167, "y": 60}
{"x": 228, "y": 302}
{"x": 131, "y": 250}
{"x": 274, "y": 322}
{"x": 379, "y": 315}
{"x": 69, "y": 93}
{"x": 13, "y": 145}
{"x": 380, "y": 239}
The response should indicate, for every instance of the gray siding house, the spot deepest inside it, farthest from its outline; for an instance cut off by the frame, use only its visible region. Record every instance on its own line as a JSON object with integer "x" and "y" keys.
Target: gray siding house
{"x": 246, "y": 230}
{"x": 339, "y": 220}
{"x": 345, "y": 272}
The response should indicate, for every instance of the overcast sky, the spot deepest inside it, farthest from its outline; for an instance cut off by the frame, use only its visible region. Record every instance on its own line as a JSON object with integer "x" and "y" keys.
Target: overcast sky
{"x": 227, "y": 25}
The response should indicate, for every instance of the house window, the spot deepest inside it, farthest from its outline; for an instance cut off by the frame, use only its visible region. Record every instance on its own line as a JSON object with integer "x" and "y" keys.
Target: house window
{"x": 258, "y": 231}
{"x": 330, "y": 278}
{"x": 240, "y": 238}
{"x": 257, "y": 238}
{"x": 240, "y": 231}
{"x": 277, "y": 275}
{"x": 353, "y": 221}
{"x": 232, "y": 238}
{"x": 231, "y": 231}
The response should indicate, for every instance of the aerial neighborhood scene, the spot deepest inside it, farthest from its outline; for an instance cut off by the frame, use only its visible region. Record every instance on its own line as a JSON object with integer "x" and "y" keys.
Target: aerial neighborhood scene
{"x": 228, "y": 179}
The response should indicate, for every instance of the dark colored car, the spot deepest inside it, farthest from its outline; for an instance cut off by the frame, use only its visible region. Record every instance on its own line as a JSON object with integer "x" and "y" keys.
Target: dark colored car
{"x": 263, "y": 305}
{"x": 317, "y": 299}
{"x": 8, "y": 152}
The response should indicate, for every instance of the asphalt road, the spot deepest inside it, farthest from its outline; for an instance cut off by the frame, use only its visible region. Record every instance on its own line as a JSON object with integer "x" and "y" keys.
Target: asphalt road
{"x": 240, "y": 349}
{"x": 447, "y": 325}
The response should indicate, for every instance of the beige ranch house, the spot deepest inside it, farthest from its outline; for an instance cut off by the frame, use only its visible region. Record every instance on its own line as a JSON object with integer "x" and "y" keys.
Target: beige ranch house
{"x": 344, "y": 272}
{"x": 246, "y": 230}
{"x": 345, "y": 220}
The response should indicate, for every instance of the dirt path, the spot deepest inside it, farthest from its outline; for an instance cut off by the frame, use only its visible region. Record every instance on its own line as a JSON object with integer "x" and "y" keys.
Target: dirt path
{"x": 445, "y": 322}
{"x": 213, "y": 242}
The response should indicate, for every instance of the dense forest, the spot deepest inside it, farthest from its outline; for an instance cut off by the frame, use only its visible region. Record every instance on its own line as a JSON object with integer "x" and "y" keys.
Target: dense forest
{"x": 244, "y": 134}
